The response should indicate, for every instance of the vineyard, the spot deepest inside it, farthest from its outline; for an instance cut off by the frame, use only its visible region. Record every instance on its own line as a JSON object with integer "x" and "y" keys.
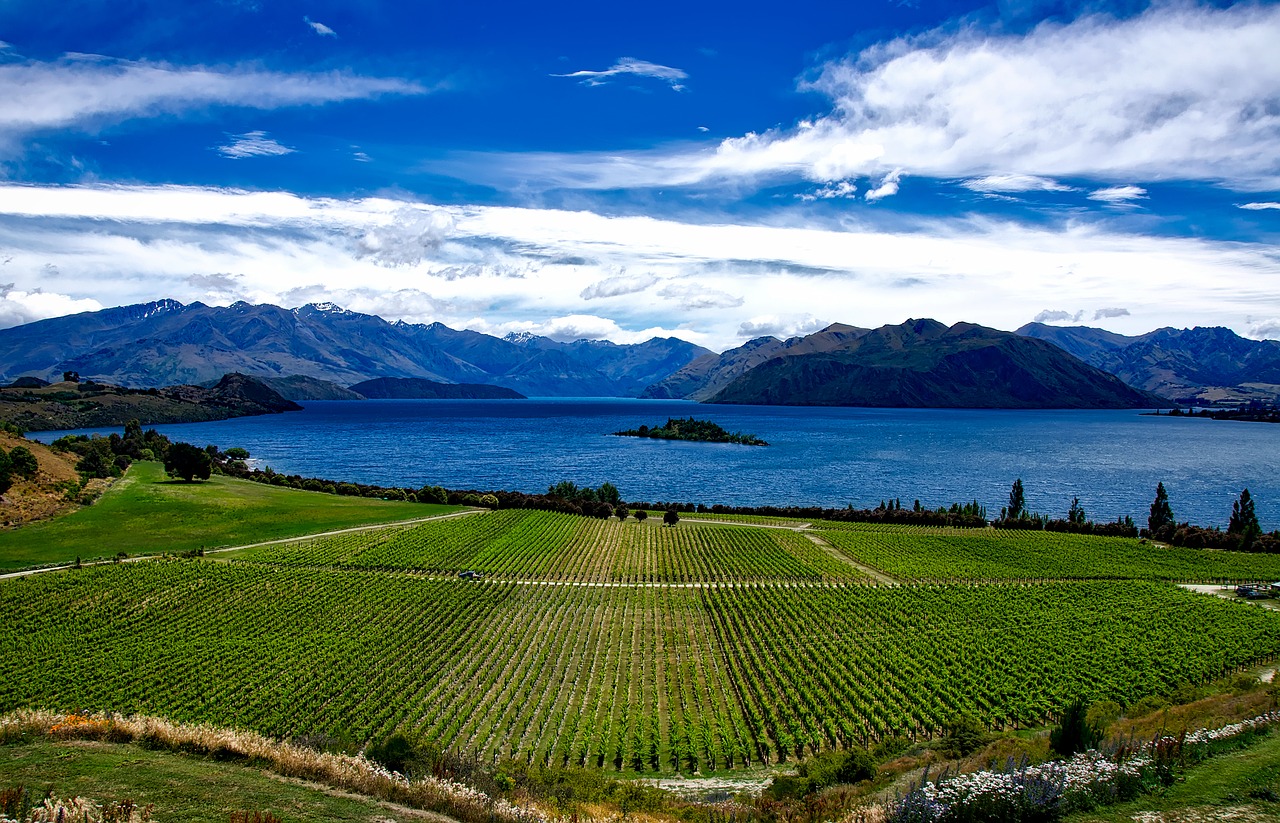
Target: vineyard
{"x": 533, "y": 545}
{"x": 628, "y": 645}
{"x": 920, "y": 553}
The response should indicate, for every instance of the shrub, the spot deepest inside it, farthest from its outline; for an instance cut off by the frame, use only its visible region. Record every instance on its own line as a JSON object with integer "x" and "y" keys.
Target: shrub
{"x": 23, "y": 462}
{"x": 962, "y": 735}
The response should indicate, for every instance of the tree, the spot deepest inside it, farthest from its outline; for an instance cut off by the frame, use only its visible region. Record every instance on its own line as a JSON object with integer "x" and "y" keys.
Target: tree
{"x": 1017, "y": 502}
{"x": 1244, "y": 520}
{"x": 608, "y": 493}
{"x": 962, "y": 735}
{"x": 188, "y": 462}
{"x": 71, "y": 377}
{"x": 670, "y": 518}
{"x": 24, "y": 462}
{"x": 1076, "y": 513}
{"x": 6, "y": 472}
{"x": 621, "y": 511}
{"x": 1074, "y": 734}
{"x": 642, "y": 515}
{"x": 1161, "y": 513}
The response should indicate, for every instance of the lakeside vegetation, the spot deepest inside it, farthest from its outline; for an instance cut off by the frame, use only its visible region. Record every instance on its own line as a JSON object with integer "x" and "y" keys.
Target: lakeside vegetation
{"x": 693, "y": 430}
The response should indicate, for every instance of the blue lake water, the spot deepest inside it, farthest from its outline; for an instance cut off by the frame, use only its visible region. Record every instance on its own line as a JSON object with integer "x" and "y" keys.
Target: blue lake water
{"x": 1111, "y": 460}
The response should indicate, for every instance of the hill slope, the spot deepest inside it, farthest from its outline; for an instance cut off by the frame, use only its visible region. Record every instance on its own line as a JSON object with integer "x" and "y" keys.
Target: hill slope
{"x": 922, "y": 363}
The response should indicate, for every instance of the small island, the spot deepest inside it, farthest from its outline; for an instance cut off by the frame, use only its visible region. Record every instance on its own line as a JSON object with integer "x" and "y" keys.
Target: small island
{"x": 698, "y": 431}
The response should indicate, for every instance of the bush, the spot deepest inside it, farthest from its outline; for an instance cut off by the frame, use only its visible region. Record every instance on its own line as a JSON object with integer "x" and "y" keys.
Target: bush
{"x": 23, "y": 462}
{"x": 891, "y": 747}
{"x": 395, "y": 753}
{"x": 822, "y": 771}
{"x": 962, "y": 735}
{"x": 1074, "y": 734}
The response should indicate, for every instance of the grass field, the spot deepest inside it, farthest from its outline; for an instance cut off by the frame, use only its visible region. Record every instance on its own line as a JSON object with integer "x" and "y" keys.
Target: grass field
{"x": 147, "y": 513}
{"x": 1243, "y": 786}
{"x": 188, "y": 789}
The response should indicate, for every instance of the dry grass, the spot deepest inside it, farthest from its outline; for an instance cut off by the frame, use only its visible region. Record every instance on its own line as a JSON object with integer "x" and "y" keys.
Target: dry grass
{"x": 1208, "y": 713}
{"x": 39, "y": 498}
{"x": 354, "y": 774}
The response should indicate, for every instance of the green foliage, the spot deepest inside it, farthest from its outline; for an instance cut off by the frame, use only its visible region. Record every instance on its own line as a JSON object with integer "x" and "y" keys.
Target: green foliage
{"x": 188, "y": 462}
{"x": 1161, "y": 513}
{"x": 237, "y": 453}
{"x": 1017, "y": 507}
{"x": 927, "y": 554}
{"x": 6, "y": 472}
{"x": 962, "y": 735}
{"x": 823, "y": 770}
{"x": 1076, "y": 513}
{"x": 24, "y": 462}
{"x": 1073, "y": 732}
{"x": 1244, "y": 520}
{"x": 489, "y": 501}
{"x": 395, "y": 752}
{"x": 891, "y": 747}
{"x": 433, "y": 494}
{"x": 701, "y": 431}
{"x": 1102, "y": 715}
{"x": 670, "y": 517}
{"x": 641, "y": 515}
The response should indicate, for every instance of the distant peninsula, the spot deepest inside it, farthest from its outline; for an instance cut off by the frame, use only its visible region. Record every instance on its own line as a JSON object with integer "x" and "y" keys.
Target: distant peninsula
{"x": 697, "y": 431}
{"x": 416, "y": 388}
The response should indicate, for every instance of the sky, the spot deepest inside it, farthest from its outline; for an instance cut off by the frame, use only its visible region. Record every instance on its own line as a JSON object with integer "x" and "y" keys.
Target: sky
{"x": 711, "y": 171}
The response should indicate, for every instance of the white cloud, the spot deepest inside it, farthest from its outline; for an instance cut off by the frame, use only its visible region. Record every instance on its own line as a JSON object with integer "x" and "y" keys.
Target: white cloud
{"x": 841, "y": 190}
{"x": 1014, "y": 183}
{"x": 18, "y": 307}
{"x": 634, "y": 67}
{"x": 320, "y": 28}
{"x": 253, "y": 144}
{"x": 1058, "y": 316}
{"x": 119, "y": 245}
{"x": 1266, "y": 329}
{"x": 407, "y": 238}
{"x": 575, "y": 327}
{"x": 1259, "y": 206}
{"x": 1179, "y": 92}
{"x": 1102, "y": 314}
{"x": 703, "y": 129}
{"x": 1119, "y": 195}
{"x": 887, "y": 188}
{"x": 618, "y": 285}
{"x": 88, "y": 91}
{"x": 693, "y": 296}
{"x": 773, "y": 325}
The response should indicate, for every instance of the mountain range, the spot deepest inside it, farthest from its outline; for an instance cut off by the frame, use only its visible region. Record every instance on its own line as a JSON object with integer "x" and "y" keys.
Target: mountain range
{"x": 318, "y": 351}
{"x": 165, "y": 343}
{"x": 1195, "y": 366}
{"x": 919, "y": 363}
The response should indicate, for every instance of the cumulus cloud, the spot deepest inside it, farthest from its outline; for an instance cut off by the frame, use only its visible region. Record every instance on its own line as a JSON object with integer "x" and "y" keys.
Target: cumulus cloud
{"x": 691, "y": 296}
{"x": 1013, "y": 183}
{"x": 320, "y": 28}
{"x": 1266, "y": 329}
{"x": 576, "y": 327}
{"x": 408, "y": 238}
{"x": 1119, "y": 195}
{"x": 1259, "y": 206}
{"x": 887, "y": 188}
{"x": 618, "y": 285}
{"x": 87, "y": 91}
{"x": 18, "y": 306}
{"x": 631, "y": 66}
{"x": 1102, "y": 314}
{"x": 840, "y": 190}
{"x": 773, "y": 325}
{"x": 1178, "y": 92}
{"x": 1058, "y": 316}
{"x": 253, "y": 144}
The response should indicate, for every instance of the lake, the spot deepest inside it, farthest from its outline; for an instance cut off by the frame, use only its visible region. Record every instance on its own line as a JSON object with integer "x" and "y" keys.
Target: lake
{"x": 1111, "y": 460}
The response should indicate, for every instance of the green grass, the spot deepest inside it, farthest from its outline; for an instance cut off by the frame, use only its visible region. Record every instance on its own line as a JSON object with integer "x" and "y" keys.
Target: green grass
{"x": 189, "y": 789}
{"x": 146, "y": 513}
{"x": 1230, "y": 786}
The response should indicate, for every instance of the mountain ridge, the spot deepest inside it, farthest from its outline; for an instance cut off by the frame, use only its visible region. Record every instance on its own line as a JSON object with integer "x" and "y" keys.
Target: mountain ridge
{"x": 166, "y": 342}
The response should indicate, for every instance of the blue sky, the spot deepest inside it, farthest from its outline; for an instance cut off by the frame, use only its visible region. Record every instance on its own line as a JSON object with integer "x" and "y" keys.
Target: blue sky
{"x": 715, "y": 171}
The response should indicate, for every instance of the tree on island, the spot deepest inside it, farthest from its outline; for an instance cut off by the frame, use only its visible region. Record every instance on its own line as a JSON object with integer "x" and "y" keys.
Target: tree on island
{"x": 188, "y": 462}
{"x": 1161, "y": 513}
{"x": 1244, "y": 520}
